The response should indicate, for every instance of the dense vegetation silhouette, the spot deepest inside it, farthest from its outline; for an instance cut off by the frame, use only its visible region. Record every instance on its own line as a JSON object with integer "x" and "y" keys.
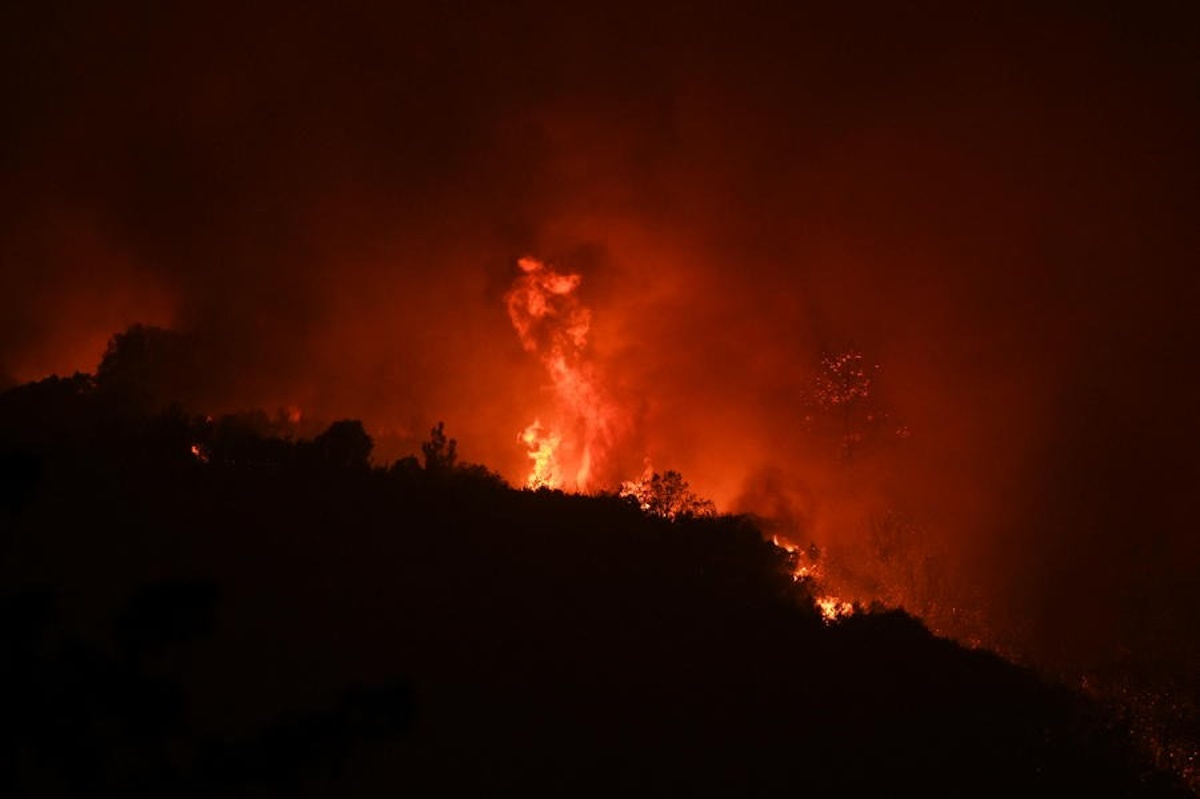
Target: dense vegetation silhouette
{"x": 199, "y": 607}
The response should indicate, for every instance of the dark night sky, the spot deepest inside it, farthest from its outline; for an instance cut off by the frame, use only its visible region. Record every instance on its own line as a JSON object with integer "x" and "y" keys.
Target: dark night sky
{"x": 999, "y": 207}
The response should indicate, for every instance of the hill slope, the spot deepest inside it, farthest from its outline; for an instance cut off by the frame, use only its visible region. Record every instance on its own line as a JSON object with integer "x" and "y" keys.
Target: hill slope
{"x": 264, "y": 616}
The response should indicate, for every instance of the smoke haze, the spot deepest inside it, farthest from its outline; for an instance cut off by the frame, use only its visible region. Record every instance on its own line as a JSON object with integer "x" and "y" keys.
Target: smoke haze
{"x": 996, "y": 210}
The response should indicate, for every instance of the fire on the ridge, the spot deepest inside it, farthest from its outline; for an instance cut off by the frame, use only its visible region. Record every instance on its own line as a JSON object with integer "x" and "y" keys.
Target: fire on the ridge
{"x": 542, "y": 449}
{"x": 552, "y": 322}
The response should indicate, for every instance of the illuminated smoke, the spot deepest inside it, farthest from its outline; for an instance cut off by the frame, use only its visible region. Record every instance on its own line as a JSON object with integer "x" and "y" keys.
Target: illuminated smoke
{"x": 551, "y": 321}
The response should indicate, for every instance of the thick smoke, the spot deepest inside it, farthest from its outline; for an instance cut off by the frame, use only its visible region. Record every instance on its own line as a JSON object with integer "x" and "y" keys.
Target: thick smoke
{"x": 996, "y": 211}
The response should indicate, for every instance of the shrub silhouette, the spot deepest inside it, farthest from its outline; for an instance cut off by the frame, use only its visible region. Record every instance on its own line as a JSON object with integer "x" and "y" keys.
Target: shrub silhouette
{"x": 148, "y": 367}
{"x": 440, "y": 452}
{"x": 344, "y": 445}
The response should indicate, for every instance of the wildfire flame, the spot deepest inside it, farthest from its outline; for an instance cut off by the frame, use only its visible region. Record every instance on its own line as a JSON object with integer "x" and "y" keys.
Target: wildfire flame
{"x": 833, "y": 608}
{"x": 551, "y": 321}
{"x": 806, "y": 568}
{"x": 543, "y": 450}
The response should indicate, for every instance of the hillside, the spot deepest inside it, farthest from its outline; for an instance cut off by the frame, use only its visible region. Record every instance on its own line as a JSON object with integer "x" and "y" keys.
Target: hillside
{"x": 194, "y": 607}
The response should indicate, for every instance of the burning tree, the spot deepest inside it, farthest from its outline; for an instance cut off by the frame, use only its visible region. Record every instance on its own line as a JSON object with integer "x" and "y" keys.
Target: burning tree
{"x": 667, "y": 495}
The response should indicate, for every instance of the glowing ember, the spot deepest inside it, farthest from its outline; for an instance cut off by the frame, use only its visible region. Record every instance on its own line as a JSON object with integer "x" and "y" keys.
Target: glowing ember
{"x": 199, "y": 453}
{"x": 552, "y": 322}
{"x": 844, "y": 378}
{"x": 833, "y": 608}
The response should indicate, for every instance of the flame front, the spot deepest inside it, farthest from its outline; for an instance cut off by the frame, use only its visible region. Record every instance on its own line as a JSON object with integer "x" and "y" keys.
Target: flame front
{"x": 551, "y": 321}
{"x": 806, "y": 568}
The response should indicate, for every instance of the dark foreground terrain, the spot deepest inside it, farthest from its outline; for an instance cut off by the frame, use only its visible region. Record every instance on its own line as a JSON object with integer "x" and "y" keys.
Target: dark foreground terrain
{"x": 196, "y": 608}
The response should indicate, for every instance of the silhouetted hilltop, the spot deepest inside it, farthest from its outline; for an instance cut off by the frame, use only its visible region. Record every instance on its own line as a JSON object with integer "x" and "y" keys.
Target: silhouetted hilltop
{"x": 197, "y": 607}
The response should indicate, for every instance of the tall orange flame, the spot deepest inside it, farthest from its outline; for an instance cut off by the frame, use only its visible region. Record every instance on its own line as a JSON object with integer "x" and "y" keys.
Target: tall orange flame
{"x": 543, "y": 451}
{"x": 551, "y": 321}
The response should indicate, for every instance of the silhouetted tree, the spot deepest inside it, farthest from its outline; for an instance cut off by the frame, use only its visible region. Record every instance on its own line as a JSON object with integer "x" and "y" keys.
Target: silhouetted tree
{"x": 440, "y": 452}
{"x": 57, "y": 408}
{"x": 407, "y": 467}
{"x": 344, "y": 445}
{"x": 147, "y": 367}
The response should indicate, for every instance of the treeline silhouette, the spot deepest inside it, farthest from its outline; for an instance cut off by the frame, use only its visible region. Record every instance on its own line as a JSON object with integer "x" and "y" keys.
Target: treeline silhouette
{"x": 201, "y": 607}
